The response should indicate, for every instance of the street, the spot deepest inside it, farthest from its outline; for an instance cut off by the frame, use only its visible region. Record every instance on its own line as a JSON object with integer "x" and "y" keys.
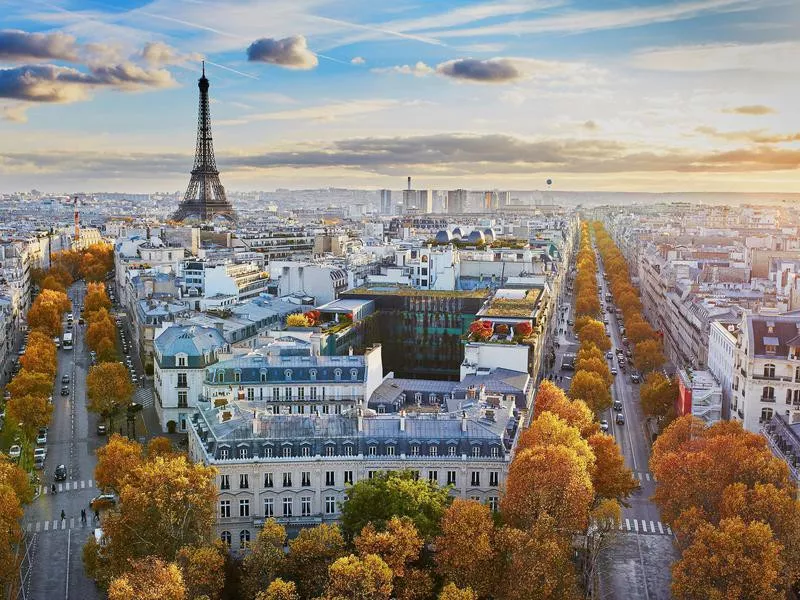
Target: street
{"x": 56, "y": 568}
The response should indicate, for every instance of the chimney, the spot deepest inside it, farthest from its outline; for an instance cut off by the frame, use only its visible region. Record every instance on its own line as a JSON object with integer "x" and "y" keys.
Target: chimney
{"x": 464, "y": 421}
{"x": 255, "y": 424}
{"x": 360, "y": 420}
{"x": 350, "y": 351}
{"x": 402, "y": 420}
{"x": 409, "y": 183}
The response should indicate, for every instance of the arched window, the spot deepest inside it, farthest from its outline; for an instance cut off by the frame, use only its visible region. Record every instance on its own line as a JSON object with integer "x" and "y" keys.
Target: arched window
{"x": 220, "y": 377}
{"x": 288, "y": 374}
{"x": 769, "y": 370}
{"x": 337, "y": 374}
{"x": 313, "y": 374}
{"x": 768, "y": 394}
{"x": 225, "y": 536}
{"x": 244, "y": 539}
{"x": 263, "y": 376}
{"x": 237, "y": 376}
{"x": 354, "y": 374}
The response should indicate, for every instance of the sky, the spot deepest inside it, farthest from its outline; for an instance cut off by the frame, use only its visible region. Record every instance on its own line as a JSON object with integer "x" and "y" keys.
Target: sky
{"x": 611, "y": 95}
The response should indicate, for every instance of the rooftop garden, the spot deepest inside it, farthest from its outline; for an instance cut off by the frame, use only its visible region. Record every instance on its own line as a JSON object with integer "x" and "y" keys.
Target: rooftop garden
{"x": 327, "y": 322}
{"x": 513, "y": 307}
{"x": 500, "y": 333}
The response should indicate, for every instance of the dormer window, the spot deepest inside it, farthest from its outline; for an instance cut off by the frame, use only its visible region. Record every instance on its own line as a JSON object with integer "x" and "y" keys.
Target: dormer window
{"x": 220, "y": 377}
{"x": 237, "y": 376}
{"x": 354, "y": 374}
{"x": 288, "y": 374}
{"x": 313, "y": 374}
{"x": 263, "y": 376}
{"x": 181, "y": 360}
{"x": 770, "y": 349}
{"x": 337, "y": 374}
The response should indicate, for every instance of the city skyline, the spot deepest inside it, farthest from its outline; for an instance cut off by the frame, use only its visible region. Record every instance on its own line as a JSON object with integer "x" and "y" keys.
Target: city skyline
{"x": 646, "y": 96}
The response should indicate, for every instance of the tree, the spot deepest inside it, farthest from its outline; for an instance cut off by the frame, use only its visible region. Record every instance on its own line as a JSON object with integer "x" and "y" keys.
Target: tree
{"x": 638, "y": 330}
{"x": 359, "y": 578}
{"x": 658, "y": 395}
{"x": 40, "y": 355}
{"x": 32, "y": 411}
{"x": 164, "y": 505}
{"x": 96, "y": 298}
{"x": 280, "y": 590}
{"x": 13, "y": 476}
{"x": 159, "y": 446}
{"x": 106, "y": 350}
{"x": 399, "y": 545}
{"x": 551, "y": 430}
{"x": 451, "y": 592}
{"x": 45, "y": 318}
{"x": 604, "y": 521}
{"x": 261, "y": 566}
{"x": 203, "y": 569}
{"x": 10, "y": 515}
{"x": 109, "y": 389}
{"x": 30, "y": 383}
{"x": 536, "y": 563}
{"x": 99, "y": 329}
{"x": 588, "y": 351}
{"x": 548, "y": 480}
{"x": 648, "y": 356}
{"x": 149, "y": 579}
{"x": 735, "y": 560}
{"x": 310, "y": 554}
{"x": 595, "y": 365}
{"x": 611, "y": 478}
{"x": 116, "y": 461}
{"x": 465, "y": 551}
{"x": 395, "y": 494}
{"x": 550, "y": 397}
{"x": 590, "y": 388}
{"x": 52, "y": 283}
{"x": 297, "y": 320}
{"x": 594, "y": 332}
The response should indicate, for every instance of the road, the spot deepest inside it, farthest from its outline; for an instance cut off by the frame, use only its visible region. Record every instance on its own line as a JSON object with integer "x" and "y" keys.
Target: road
{"x": 57, "y": 568}
{"x": 638, "y": 565}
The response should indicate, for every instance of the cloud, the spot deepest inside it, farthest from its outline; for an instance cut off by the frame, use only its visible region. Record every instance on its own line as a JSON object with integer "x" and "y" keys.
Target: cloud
{"x": 21, "y": 46}
{"x": 291, "y": 52}
{"x": 591, "y": 125}
{"x": 495, "y": 70}
{"x": 750, "y": 109}
{"x": 418, "y": 70}
{"x": 325, "y": 112}
{"x": 157, "y": 54}
{"x": 16, "y": 113}
{"x": 53, "y": 84}
{"x": 358, "y": 60}
{"x": 758, "y": 136}
{"x": 773, "y": 57}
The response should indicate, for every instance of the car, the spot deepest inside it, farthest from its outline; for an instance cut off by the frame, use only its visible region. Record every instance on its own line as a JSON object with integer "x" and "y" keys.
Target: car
{"x": 620, "y": 419}
{"x": 65, "y": 379}
{"x": 41, "y": 438}
{"x": 622, "y": 367}
{"x": 609, "y": 355}
{"x": 618, "y": 405}
{"x": 40, "y": 453}
{"x": 101, "y": 429}
{"x": 15, "y": 451}
{"x": 570, "y": 322}
{"x": 604, "y": 426}
{"x": 81, "y": 321}
{"x": 65, "y": 390}
{"x": 613, "y": 371}
{"x": 103, "y": 501}
{"x": 60, "y": 473}
{"x": 635, "y": 378}
{"x": 605, "y": 320}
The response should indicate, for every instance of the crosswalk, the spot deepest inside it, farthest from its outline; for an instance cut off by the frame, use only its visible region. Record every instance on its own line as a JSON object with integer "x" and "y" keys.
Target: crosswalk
{"x": 67, "y": 486}
{"x": 57, "y": 525}
{"x": 644, "y": 526}
{"x": 643, "y": 476}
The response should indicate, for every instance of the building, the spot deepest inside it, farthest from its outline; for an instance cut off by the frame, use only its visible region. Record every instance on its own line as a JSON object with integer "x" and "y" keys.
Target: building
{"x": 766, "y": 378}
{"x": 181, "y": 355}
{"x": 457, "y": 202}
{"x": 722, "y": 339}
{"x": 319, "y": 281}
{"x": 699, "y": 394}
{"x": 386, "y": 202}
{"x": 242, "y": 281}
{"x": 783, "y": 437}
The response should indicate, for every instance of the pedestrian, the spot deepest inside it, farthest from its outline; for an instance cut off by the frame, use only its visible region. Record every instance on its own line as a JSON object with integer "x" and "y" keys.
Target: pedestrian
{"x": 53, "y": 488}
{"x": 63, "y": 514}
{"x": 96, "y": 516}
{"x": 83, "y": 515}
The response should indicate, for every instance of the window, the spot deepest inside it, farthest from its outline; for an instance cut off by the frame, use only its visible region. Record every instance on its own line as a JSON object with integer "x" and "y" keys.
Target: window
{"x": 373, "y": 450}
{"x": 348, "y": 477}
{"x": 769, "y": 370}
{"x": 288, "y": 374}
{"x": 301, "y": 393}
{"x": 337, "y": 374}
{"x": 353, "y": 375}
{"x": 244, "y": 539}
{"x": 263, "y": 377}
{"x": 494, "y": 478}
{"x": 242, "y": 452}
{"x": 476, "y": 451}
{"x": 796, "y": 398}
{"x": 276, "y": 394}
{"x": 287, "y": 507}
{"x": 181, "y": 362}
{"x": 768, "y": 394}
{"x": 330, "y": 450}
{"x": 182, "y": 380}
{"x": 389, "y": 450}
{"x": 288, "y": 393}
{"x": 414, "y": 450}
{"x": 451, "y": 451}
{"x": 224, "y": 509}
{"x": 223, "y": 453}
{"x": 370, "y": 474}
{"x": 237, "y": 376}
{"x": 305, "y": 450}
{"x": 224, "y": 482}
{"x": 433, "y": 476}
{"x": 325, "y": 409}
{"x": 251, "y": 394}
{"x": 220, "y": 379}
{"x": 287, "y": 452}
{"x": 287, "y": 480}
{"x": 268, "y": 451}
{"x": 183, "y": 400}
{"x": 268, "y": 480}
{"x": 244, "y": 482}
{"x": 312, "y": 393}
{"x": 766, "y": 415}
{"x": 225, "y": 536}
{"x": 305, "y": 506}
{"x": 348, "y": 450}
{"x": 415, "y": 475}
{"x": 494, "y": 503}
{"x": 475, "y": 478}
{"x": 312, "y": 374}
{"x": 269, "y": 508}
{"x": 433, "y": 450}
{"x": 495, "y": 451}
{"x": 797, "y": 374}
{"x": 244, "y": 508}
{"x": 305, "y": 479}
{"x": 451, "y": 478}
{"x": 330, "y": 505}
{"x": 330, "y": 477}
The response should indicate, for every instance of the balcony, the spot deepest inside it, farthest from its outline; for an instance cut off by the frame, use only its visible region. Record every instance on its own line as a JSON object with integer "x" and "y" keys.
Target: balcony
{"x": 767, "y": 399}
{"x": 763, "y": 377}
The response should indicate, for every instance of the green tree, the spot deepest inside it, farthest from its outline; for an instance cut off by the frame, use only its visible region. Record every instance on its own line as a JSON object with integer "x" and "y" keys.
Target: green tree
{"x": 262, "y": 565}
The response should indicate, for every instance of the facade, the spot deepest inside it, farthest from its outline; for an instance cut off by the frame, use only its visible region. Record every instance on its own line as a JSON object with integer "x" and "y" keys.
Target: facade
{"x": 699, "y": 394}
{"x": 386, "y": 202}
{"x": 783, "y": 436}
{"x": 240, "y": 281}
{"x": 722, "y": 340}
{"x": 319, "y": 281}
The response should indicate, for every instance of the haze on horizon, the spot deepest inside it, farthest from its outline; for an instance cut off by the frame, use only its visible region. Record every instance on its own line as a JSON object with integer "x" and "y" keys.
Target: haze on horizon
{"x": 632, "y": 95}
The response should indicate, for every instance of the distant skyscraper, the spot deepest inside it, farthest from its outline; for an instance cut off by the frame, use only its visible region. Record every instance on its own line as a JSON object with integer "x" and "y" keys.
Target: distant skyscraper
{"x": 205, "y": 197}
{"x": 456, "y": 202}
{"x": 386, "y": 202}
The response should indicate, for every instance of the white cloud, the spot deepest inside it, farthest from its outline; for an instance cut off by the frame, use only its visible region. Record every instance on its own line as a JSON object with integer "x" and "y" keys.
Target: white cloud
{"x": 291, "y": 52}
{"x": 420, "y": 69}
{"x": 775, "y": 57}
{"x": 325, "y": 112}
{"x": 358, "y": 60}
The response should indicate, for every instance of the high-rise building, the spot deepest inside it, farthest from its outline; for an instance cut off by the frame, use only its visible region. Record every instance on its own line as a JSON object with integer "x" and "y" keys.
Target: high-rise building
{"x": 456, "y": 201}
{"x": 386, "y": 202}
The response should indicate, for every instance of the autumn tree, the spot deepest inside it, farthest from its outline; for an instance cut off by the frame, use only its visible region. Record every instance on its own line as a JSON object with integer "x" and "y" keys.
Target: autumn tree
{"x": 550, "y": 397}
{"x": 280, "y": 590}
{"x": 611, "y": 478}
{"x": 40, "y": 355}
{"x": 116, "y": 461}
{"x": 638, "y": 330}
{"x": 14, "y": 491}
{"x": 548, "y": 480}
{"x": 394, "y": 494}
{"x": 359, "y": 578}
{"x": 465, "y": 552}
{"x": 451, "y": 592}
{"x": 109, "y": 389}
{"x": 96, "y": 298}
{"x": 52, "y": 283}
{"x": 590, "y": 388}
{"x": 203, "y": 569}
{"x": 30, "y": 383}
{"x": 264, "y": 561}
{"x": 32, "y": 412}
{"x": 658, "y": 395}
{"x": 549, "y": 429}
{"x": 310, "y": 554}
{"x": 100, "y": 328}
{"x": 595, "y": 365}
{"x": 648, "y": 356}
{"x": 149, "y": 579}
{"x": 297, "y": 320}
{"x": 45, "y": 318}
{"x": 734, "y": 560}
{"x": 13, "y": 476}
{"x": 594, "y": 332}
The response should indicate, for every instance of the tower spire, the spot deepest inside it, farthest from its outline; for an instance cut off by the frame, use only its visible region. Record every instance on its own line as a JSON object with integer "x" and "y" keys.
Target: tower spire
{"x": 205, "y": 197}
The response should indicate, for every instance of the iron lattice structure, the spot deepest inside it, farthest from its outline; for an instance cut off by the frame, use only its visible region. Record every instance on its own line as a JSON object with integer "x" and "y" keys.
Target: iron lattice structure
{"x": 205, "y": 197}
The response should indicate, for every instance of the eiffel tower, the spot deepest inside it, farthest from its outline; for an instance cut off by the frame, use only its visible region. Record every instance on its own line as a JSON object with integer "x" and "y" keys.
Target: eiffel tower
{"x": 205, "y": 197}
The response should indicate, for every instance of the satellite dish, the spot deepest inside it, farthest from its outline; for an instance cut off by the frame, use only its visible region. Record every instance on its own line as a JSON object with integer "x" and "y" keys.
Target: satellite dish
{"x": 549, "y": 182}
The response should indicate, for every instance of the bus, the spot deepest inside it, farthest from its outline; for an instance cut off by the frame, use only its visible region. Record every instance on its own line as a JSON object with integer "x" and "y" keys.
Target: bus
{"x": 66, "y": 342}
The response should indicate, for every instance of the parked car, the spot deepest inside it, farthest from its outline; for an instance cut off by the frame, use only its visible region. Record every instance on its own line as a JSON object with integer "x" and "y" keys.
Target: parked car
{"x": 60, "y": 473}
{"x": 101, "y": 429}
{"x": 40, "y": 453}
{"x": 604, "y": 426}
{"x": 41, "y": 438}
{"x": 15, "y": 451}
{"x": 609, "y": 355}
{"x": 613, "y": 371}
{"x": 635, "y": 377}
